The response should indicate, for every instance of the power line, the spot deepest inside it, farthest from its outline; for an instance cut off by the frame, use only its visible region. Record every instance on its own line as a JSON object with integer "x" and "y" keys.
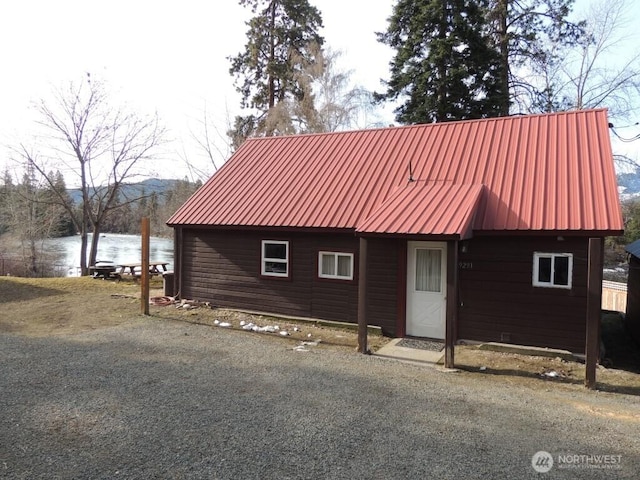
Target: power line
{"x": 622, "y": 139}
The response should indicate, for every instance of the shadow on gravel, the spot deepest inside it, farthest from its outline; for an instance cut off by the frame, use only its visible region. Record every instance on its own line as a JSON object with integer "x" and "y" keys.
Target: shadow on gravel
{"x": 17, "y": 292}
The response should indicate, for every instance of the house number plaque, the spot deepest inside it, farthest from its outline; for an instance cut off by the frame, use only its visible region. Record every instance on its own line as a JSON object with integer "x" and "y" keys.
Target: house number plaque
{"x": 465, "y": 265}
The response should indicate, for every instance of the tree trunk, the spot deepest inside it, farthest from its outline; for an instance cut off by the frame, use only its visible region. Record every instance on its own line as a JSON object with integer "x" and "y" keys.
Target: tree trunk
{"x": 503, "y": 43}
{"x": 84, "y": 270}
{"x": 94, "y": 244}
{"x": 441, "y": 109}
{"x": 270, "y": 73}
{"x": 33, "y": 258}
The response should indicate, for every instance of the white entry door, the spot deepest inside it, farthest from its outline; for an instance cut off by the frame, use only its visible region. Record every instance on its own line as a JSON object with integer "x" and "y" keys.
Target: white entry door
{"x": 426, "y": 289}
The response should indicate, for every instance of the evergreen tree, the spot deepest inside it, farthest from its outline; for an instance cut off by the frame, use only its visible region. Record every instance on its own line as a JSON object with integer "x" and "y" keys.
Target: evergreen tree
{"x": 446, "y": 66}
{"x": 280, "y": 36}
{"x": 631, "y": 216}
{"x": 6, "y": 191}
{"x": 64, "y": 226}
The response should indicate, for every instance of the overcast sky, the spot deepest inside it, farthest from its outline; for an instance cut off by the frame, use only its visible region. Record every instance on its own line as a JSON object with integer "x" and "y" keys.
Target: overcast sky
{"x": 164, "y": 55}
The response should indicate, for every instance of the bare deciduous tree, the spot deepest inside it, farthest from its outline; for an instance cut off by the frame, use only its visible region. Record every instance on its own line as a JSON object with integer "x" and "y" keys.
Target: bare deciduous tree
{"x": 329, "y": 102}
{"x": 212, "y": 142}
{"x": 337, "y": 104}
{"x": 524, "y": 31}
{"x": 601, "y": 69}
{"x": 99, "y": 147}
{"x": 27, "y": 212}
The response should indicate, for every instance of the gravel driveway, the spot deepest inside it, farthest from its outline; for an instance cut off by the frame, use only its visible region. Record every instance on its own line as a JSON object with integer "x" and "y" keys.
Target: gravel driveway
{"x": 163, "y": 399}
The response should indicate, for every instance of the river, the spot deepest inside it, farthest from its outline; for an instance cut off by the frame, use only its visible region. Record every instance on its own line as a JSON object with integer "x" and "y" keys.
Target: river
{"x": 114, "y": 247}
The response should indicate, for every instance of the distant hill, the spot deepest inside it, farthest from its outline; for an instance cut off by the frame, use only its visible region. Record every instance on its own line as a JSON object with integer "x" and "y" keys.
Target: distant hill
{"x": 628, "y": 175}
{"x": 148, "y": 186}
{"x": 628, "y": 185}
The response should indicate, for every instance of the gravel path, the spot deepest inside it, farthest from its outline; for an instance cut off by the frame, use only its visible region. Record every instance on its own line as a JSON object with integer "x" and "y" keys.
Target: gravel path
{"x": 162, "y": 399}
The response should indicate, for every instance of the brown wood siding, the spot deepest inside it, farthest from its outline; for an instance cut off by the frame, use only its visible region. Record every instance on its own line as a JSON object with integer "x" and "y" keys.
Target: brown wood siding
{"x": 382, "y": 284}
{"x": 632, "y": 316}
{"x": 331, "y": 299}
{"x": 499, "y": 303}
{"x": 224, "y": 269}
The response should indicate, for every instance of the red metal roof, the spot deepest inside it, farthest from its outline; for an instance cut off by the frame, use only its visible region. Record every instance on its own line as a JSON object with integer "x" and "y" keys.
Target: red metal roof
{"x": 551, "y": 172}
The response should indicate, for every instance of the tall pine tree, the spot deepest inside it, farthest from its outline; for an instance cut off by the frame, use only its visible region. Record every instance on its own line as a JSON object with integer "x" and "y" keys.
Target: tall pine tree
{"x": 446, "y": 66}
{"x": 281, "y": 36}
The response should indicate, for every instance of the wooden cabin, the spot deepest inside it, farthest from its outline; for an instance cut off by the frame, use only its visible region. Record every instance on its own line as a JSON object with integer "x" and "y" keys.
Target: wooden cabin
{"x": 477, "y": 228}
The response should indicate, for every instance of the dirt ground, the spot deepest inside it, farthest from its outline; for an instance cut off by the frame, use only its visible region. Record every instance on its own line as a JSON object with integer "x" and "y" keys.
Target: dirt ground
{"x": 50, "y": 306}
{"x": 45, "y": 307}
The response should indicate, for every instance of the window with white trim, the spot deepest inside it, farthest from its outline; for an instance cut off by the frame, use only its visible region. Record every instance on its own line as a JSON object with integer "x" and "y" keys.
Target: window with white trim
{"x": 275, "y": 258}
{"x": 335, "y": 265}
{"x": 553, "y": 270}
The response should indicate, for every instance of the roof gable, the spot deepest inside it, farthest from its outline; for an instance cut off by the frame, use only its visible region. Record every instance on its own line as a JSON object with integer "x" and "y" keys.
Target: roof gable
{"x": 426, "y": 209}
{"x": 549, "y": 172}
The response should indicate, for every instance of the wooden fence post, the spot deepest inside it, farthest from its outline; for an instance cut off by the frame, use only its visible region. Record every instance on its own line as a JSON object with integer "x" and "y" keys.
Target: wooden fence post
{"x": 144, "y": 274}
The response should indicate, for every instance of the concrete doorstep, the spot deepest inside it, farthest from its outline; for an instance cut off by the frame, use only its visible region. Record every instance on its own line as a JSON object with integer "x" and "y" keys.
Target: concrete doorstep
{"x": 392, "y": 350}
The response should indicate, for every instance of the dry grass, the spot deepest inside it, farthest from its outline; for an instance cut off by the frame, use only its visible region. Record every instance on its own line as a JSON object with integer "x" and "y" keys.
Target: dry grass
{"x": 45, "y": 307}
{"x": 42, "y": 307}
{"x": 519, "y": 368}
{"x": 50, "y": 306}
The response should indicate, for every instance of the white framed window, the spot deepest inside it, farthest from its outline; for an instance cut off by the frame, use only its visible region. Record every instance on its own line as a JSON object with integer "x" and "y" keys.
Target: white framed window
{"x": 335, "y": 265}
{"x": 553, "y": 270}
{"x": 275, "y": 258}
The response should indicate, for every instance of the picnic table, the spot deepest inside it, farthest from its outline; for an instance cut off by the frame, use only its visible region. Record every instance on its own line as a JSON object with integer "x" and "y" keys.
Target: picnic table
{"x": 155, "y": 268}
{"x": 103, "y": 270}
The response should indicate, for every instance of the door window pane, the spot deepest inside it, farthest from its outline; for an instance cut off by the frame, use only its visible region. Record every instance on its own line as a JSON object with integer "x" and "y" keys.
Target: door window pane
{"x": 428, "y": 270}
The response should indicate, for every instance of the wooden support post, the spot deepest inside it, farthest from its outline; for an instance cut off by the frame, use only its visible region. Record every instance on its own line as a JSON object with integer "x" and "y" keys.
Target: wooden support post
{"x": 144, "y": 274}
{"x": 452, "y": 304}
{"x": 594, "y": 305}
{"x": 362, "y": 297}
{"x": 177, "y": 262}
